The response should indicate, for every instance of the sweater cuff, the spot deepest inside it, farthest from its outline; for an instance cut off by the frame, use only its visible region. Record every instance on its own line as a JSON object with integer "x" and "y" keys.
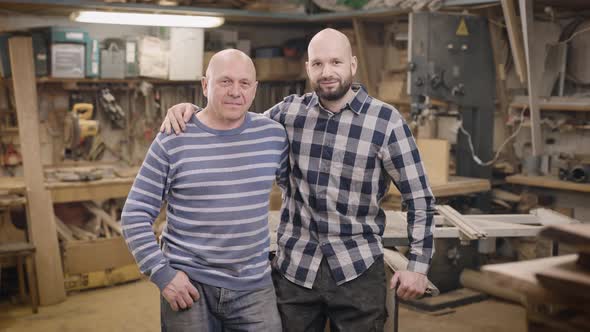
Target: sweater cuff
{"x": 163, "y": 276}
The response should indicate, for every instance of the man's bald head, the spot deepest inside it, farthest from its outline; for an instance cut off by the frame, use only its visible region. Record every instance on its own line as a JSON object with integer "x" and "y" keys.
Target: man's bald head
{"x": 330, "y": 39}
{"x": 230, "y": 58}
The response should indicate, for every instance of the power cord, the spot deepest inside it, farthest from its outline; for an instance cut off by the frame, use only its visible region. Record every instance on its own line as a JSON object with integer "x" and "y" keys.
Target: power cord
{"x": 511, "y": 137}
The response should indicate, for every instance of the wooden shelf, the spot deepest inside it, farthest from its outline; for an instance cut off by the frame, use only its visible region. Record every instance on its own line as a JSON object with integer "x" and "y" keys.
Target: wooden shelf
{"x": 548, "y": 182}
{"x": 555, "y": 104}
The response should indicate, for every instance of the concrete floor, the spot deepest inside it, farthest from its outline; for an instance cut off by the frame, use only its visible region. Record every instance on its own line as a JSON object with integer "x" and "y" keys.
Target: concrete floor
{"x": 135, "y": 307}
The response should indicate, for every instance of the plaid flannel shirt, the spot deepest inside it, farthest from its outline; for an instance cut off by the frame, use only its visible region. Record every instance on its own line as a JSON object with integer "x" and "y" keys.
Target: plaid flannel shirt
{"x": 341, "y": 167}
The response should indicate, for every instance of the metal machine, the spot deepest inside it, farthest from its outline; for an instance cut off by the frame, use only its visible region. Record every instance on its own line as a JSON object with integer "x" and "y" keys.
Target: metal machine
{"x": 450, "y": 60}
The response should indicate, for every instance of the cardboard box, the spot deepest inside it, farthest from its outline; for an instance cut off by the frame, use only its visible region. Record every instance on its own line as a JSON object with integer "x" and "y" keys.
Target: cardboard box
{"x": 96, "y": 255}
{"x": 153, "y": 57}
{"x": 278, "y": 68}
{"x": 186, "y": 54}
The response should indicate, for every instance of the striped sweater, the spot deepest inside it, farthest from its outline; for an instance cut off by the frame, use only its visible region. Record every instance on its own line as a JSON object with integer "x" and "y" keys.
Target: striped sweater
{"x": 217, "y": 185}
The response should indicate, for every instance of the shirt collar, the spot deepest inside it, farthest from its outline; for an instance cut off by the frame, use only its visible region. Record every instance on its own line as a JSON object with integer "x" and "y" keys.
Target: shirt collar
{"x": 355, "y": 105}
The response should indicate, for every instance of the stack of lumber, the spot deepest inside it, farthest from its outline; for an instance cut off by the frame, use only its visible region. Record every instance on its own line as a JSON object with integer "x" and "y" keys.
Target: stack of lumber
{"x": 102, "y": 224}
{"x": 554, "y": 290}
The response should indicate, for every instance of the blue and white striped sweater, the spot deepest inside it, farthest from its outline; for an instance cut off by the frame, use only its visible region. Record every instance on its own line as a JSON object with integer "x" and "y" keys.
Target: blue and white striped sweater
{"x": 217, "y": 184}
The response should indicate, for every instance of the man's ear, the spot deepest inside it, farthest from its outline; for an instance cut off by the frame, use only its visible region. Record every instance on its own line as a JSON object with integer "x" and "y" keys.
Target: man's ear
{"x": 353, "y": 65}
{"x": 255, "y": 87}
{"x": 204, "y": 85}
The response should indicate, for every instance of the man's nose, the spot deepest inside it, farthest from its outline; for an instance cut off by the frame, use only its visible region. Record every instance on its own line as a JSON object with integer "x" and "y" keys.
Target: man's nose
{"x": 326, "y": 71}
{"x": 234, "y": 90}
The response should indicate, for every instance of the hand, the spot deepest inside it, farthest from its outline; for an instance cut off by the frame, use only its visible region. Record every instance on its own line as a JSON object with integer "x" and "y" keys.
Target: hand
{"x": 177, "y": 117}
{"x": 411, "y": 284}
{"x": 180, "y": 292}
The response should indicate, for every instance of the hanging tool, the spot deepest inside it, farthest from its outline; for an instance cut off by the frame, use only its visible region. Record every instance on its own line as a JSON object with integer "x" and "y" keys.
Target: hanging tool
{"x": 79, "y": 128}
{"x": 111, "y": 108}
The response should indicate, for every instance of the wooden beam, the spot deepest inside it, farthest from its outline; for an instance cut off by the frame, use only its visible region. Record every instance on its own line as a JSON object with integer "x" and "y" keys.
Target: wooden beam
{"x": 515, "y": 38}
{"x": 361, "y": 48}
{"x": 106, "y": 218}
{"x": 42, "y": 229}
{"x": 547, "y": 182}
{"x": 455, "y": 218}
{"x": 534, "y": 76}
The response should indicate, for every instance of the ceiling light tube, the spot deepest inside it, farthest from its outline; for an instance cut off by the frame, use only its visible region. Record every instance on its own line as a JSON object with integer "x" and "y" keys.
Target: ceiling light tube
{"x": 164, "y": 20}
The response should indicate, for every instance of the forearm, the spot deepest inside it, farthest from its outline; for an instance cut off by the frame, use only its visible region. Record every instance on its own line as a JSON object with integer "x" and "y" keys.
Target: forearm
{"x": 141, "y": 241}
{"x": 420, "y": 218}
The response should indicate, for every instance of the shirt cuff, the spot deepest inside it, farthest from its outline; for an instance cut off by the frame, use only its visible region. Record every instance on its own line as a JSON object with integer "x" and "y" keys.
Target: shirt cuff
{"x": 163, "y": 276}
{"x": 419, "y": 264}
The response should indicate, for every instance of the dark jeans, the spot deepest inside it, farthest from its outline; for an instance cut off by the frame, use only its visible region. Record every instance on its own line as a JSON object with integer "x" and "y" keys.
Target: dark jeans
{"x": 356, "y": 306}
{"x": 220, "y": 309}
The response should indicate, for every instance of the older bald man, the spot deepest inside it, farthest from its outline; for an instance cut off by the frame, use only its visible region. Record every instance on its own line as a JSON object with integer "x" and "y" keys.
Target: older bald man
{"x": 212, "y": 268}
{"x": 345, "y": 147}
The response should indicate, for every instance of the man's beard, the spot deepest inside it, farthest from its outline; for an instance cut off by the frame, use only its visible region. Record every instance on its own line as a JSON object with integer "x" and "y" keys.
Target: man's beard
{"x": 340, "y": 91}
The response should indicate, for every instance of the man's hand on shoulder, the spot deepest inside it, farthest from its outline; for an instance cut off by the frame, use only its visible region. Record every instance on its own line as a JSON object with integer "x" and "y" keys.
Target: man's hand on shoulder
{"x": 176, "y": 118}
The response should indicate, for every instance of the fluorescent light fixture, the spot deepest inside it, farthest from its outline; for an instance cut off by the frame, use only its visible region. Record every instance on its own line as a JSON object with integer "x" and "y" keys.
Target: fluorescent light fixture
{"x": 162, "y": 20}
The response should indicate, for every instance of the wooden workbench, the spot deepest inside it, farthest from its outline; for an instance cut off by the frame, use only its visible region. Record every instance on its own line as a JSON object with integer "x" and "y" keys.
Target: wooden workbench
{"x": 456, "y": 186}
{"x": 548, "y": 182}
{"x": 63, "y": 192}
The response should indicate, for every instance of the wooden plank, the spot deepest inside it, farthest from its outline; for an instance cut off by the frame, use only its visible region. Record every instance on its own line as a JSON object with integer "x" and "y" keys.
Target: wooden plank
{"x": 515, "y": 38}
{"x": 575, "y": 235}
{"x": 551, "y": 217}
{"x": 575, "y": 104}
{"x": 534, "y": 75}
{"x": 42, "y": 228}
{"x": 548, "y": 182}
{"x": 456, "y": 186}
{"x": 455, "y": 218}
{"x": 96, "y": 255}
{"x": 359, "y": 33}
{"x": 484, "y": 283}
{"x": 435, "y": 157}
{"x": 568, "y": 279}
{"x": 97, "y": 211}
{"x": 521, "y": 277}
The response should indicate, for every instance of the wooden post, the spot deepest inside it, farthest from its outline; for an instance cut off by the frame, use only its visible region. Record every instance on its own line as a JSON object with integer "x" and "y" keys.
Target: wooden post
{"x": 361, "y": 53}
{"x": 41, "y": 225}
{"x": 515, "y": 38}
{"x": 533, "y": 73}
